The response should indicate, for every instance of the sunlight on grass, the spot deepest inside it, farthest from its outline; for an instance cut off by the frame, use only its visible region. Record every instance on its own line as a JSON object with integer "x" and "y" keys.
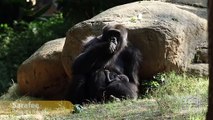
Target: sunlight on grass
{"x": 181, "y": 97}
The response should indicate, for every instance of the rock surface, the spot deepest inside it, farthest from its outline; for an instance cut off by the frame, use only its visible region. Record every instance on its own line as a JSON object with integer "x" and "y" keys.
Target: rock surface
{"x": 166, "y": 35}
{"x": 201, "y": 56}
{"x": 201, "y": 12}
{"x": 198, "y": 69}
{"x": 42, "y": 75}
{"x": 201, "y": 3}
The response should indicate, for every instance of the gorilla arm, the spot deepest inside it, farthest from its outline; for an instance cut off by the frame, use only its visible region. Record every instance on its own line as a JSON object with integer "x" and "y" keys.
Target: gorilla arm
{"x": 92, "y": 57}
{"x": 99, "y": 52}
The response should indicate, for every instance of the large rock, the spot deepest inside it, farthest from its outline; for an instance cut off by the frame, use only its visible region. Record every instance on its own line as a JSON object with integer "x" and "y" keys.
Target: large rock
{"x": 201, "y": 12}
{"x": 199, "y": 3}
{"x": 198, "y": 69}
{"x": 42, "y": 75}
{"x": 198, "y": 7}
{"x": 166, "y": 35}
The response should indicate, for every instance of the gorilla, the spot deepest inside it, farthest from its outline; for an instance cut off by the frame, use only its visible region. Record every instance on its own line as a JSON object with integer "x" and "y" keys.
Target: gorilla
{"x": 105, "y": 84}
{"x": 106, "y": 66}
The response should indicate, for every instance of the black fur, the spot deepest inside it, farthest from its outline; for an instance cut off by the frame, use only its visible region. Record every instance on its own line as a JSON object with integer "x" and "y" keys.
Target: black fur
{"x": 107, "y": 52}
{"x": 105, "y": 83}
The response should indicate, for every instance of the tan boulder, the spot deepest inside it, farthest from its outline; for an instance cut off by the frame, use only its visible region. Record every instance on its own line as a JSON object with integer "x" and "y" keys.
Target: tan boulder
{"x": 200, "y": 69}
{"x": 166, "y": 35}
{"x": 42, "y": 74}
{"x": 201, "y": 56}
{"x": 198, "y": 7}
{"x": 199, "y": 3}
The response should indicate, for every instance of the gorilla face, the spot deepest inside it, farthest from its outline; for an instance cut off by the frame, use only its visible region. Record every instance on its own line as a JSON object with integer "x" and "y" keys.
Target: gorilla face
{"x": 116, "y": 35}
{"x": 114, "y": 39}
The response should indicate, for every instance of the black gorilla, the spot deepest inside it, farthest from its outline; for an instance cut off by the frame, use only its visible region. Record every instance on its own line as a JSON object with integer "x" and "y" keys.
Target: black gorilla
{"x": 105, "y": 83}
{"x": 106, "y": 66}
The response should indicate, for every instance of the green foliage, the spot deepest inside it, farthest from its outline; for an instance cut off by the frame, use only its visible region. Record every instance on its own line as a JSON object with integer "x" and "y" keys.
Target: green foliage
{"x": 181, "y": 85}
{"x": 150, "y": 85}
{"x": 182, "y": 94}
{"x": 18, "y": 43}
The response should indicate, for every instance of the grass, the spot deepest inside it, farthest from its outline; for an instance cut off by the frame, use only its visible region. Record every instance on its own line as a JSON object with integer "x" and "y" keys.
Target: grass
{"x": 181, "y": 97}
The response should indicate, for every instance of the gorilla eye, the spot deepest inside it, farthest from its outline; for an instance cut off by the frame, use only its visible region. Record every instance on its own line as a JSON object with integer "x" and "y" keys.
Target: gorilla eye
{"x": 113, "y": 39}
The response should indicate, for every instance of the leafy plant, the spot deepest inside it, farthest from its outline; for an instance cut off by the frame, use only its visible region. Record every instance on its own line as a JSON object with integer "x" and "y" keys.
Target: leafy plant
{"x": 150, "y": 85}
{"x": 18, "y": 43}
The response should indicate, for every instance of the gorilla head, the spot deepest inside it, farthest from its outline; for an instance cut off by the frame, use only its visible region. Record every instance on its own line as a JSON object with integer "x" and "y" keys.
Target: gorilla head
{"x": 116, "y": 36}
